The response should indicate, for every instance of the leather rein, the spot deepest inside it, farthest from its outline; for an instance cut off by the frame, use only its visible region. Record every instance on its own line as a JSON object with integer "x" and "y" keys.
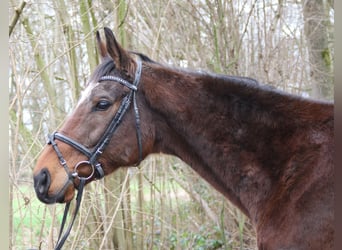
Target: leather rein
{"x": 94, "y": 153}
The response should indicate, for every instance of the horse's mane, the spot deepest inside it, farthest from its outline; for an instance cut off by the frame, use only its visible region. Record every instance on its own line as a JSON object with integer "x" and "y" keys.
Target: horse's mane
{"x": 143, "y": 57}
{"x": 247, "y": 81}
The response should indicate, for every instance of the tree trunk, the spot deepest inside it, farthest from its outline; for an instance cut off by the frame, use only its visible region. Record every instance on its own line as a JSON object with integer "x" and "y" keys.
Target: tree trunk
{"x": 317, "y": 28}
{"x": 114, "y": 237}
{"x": 70, "y": 41}
{"x": 90, "y": 44}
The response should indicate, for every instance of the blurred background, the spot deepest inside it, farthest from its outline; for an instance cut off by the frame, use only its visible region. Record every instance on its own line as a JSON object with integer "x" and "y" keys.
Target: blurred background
{"x": 164, "y": 204}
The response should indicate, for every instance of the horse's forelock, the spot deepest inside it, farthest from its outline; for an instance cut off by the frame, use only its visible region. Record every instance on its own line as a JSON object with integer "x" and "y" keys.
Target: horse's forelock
{"x": 105, "y": 68}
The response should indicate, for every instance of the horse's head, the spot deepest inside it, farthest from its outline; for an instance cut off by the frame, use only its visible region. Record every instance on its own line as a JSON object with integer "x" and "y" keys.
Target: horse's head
{"x": 103, "y": 132}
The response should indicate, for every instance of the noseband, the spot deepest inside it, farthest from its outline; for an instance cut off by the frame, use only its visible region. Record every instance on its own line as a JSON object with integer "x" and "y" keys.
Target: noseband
{"x": 94, "y": 153}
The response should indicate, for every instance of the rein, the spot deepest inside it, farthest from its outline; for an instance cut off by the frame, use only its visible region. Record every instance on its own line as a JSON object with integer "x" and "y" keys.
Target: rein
{"x": 94, "y": 154}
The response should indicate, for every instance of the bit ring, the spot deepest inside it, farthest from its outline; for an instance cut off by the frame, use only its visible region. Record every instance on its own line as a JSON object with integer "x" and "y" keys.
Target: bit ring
{"x": 75, "y": 174}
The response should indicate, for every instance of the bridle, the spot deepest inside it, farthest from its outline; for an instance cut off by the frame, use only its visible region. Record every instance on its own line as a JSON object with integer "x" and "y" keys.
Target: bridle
{"x": 94, "y": 153}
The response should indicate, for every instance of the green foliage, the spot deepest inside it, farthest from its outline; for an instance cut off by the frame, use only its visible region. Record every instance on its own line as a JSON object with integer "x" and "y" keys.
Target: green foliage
{"x": 203, "y": 240}
{"x": 326, "y": 55}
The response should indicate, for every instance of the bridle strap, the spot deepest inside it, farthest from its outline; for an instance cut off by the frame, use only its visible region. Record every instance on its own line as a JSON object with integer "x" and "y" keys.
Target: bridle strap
{"x": 61, "y": 240}
{"x": 99, "y": 148}
{"x": 102, "y": 144}
{"x": 56, "y": 135}
{"x": 120, "y": 80}
{"x": 136, "y": 111}
{"x": 138, "y": 129}
{"x": 71, "y": 142}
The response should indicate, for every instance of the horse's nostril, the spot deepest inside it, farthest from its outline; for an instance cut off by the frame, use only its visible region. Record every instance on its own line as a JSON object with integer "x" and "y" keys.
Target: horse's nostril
{"x": 42, "y": 182}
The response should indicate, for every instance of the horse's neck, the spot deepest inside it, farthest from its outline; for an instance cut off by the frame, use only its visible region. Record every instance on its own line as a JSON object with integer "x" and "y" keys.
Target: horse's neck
{"x": 224, "y": 133}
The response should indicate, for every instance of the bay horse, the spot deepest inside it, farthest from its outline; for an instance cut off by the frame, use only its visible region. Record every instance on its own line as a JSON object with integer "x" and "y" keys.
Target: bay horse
{"x": 270, "y": 153}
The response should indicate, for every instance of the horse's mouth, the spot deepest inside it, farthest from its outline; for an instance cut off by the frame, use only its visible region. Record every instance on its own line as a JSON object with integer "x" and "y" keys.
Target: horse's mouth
{"x": 62, "y": 196}
{"x": 59, "y": 198}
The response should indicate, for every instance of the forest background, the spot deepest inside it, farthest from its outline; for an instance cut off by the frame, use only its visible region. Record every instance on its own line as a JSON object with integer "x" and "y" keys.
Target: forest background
{"x": 164, "y": 204}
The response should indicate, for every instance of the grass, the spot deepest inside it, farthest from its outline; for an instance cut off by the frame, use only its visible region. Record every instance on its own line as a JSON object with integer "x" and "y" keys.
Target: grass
{"x": 31, "y": 218}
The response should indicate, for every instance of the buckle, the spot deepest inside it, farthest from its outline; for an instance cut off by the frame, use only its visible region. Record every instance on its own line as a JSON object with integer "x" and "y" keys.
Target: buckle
{"x": 99, "y": 170}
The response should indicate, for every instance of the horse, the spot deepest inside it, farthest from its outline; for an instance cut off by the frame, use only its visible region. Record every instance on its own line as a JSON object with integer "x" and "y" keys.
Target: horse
{"x": 269, "y": 152}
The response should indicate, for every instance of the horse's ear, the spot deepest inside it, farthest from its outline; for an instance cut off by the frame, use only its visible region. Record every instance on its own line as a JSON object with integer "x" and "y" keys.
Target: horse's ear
{"x": 119, "y": 55}
{"x": 101, "y": 46}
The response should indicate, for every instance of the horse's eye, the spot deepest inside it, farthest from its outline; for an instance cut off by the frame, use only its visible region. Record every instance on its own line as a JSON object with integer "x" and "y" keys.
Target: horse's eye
{"x": 103, "y": 105}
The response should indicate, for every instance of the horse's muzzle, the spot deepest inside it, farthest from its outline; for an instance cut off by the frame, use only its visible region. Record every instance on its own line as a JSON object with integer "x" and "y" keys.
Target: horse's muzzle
{"x": 42, "y": 183}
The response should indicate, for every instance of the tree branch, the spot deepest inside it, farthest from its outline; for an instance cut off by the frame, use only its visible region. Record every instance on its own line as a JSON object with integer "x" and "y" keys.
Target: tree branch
{"x": 16, "y": 16}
